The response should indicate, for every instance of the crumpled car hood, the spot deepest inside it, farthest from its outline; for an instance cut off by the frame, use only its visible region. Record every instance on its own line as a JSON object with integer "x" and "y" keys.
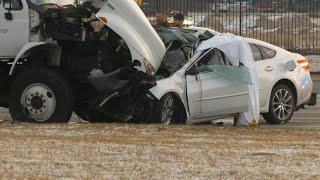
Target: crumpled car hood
{"x": 127, "y": 19}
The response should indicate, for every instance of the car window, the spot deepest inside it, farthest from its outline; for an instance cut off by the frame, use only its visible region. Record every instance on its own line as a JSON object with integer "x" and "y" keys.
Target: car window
{"x": 212, "y": 57}
{"x": 257, "y": 56}
{"x": 209, "y": 59}
{"x": 16, "y": 4}
{"x": 267, "y": 53}
{"x": 166, "y": 35}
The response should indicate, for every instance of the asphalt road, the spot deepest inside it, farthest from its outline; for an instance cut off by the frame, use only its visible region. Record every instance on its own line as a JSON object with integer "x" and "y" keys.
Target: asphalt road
{"x": 304, "y": 118}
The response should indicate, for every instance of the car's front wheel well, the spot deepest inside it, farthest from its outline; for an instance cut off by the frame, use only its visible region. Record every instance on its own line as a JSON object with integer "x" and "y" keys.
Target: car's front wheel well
{"x": 290, "y": 84}
{"x": 180, "y": 110}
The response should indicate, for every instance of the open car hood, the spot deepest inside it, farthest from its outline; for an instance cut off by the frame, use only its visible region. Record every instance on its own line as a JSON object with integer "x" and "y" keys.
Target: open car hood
{"x": 127, "y": 19}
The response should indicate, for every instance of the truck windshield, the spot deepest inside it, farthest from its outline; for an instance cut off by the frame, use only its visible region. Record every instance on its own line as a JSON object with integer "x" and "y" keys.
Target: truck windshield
{"x": 57, "y": 2}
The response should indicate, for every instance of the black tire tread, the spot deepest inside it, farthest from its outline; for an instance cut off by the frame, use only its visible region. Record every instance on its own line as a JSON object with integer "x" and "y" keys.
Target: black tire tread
{"x": 53, "y": 79}
{"x": 178, "y": 115}
{"x": 270, "y": 116}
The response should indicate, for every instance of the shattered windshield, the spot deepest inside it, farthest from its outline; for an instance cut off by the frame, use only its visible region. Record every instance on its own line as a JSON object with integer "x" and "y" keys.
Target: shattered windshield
{"x": 57, "y": 2}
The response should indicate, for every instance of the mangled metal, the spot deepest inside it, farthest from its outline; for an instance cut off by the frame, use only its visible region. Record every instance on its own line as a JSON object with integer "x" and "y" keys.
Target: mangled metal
{"x": 120, "y": 67}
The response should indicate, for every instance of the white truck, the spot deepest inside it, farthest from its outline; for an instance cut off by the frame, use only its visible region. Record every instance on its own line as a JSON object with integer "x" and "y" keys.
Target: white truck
{"x": 56, "y": 59}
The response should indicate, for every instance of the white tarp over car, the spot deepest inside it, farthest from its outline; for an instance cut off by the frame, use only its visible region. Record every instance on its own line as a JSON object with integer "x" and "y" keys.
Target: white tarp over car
{"x": 237, "y": 51}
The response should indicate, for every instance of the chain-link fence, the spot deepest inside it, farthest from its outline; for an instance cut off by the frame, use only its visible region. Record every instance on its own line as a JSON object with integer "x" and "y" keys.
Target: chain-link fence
{"x": 291, "y": 24}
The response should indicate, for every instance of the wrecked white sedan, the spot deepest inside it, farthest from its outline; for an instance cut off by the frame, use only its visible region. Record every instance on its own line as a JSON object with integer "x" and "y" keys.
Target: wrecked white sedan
{"x": 213, "y": 84}
{"x": 121, "y": 70}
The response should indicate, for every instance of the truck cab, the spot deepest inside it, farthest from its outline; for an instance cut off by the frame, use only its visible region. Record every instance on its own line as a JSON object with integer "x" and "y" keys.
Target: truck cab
{"x": 14, "y": 27}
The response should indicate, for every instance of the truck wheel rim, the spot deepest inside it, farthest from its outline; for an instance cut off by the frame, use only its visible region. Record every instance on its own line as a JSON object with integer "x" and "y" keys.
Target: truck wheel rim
{"x": 283, "y": 104}
{"x": 38, "y": 102}
{"x": 167, "y": 111}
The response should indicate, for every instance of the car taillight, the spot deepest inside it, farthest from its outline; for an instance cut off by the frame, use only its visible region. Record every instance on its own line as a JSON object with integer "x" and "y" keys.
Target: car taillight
{"x": 304, "y": 63}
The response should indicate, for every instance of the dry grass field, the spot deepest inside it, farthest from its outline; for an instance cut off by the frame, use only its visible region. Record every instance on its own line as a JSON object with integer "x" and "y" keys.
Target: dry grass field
{"x": 121, "y": 151}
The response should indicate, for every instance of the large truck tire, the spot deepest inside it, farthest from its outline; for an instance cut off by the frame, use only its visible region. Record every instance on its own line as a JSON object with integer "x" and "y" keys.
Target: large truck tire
{"x": 40, "y": 95}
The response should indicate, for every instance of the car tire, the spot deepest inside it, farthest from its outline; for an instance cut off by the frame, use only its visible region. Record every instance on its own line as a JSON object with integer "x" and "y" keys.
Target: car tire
{"x": 42, "y": 96}
{"x": 281, "y": 106}
{"x": 168, "y": 111}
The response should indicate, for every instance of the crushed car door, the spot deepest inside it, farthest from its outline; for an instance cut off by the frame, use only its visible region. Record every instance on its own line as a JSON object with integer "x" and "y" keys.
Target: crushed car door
{"x": 224, "y": 88}
{"x": 127, "y": 19}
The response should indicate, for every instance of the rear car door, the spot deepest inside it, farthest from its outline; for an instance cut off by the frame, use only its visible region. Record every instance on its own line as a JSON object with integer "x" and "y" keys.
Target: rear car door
{"x": 224, "y": 89}
{"x": 14, "y": 33}
{"x": 266, "y": 67}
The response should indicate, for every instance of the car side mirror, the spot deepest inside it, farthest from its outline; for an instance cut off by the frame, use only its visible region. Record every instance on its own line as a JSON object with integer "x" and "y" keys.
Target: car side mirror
{"x": 8, "y": 16}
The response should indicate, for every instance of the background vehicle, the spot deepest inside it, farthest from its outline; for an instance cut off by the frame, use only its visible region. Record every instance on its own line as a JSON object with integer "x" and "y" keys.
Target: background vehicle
{"x": 284, "y": 77}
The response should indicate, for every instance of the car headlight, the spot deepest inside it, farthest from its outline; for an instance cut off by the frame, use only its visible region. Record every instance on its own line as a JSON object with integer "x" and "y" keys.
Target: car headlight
{"x": 149, "y": 68}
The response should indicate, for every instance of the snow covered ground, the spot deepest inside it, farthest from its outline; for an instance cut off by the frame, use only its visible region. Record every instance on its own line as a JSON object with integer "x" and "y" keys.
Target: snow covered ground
{"x": 270, "y": 23}
{"x": 233, "y": 23}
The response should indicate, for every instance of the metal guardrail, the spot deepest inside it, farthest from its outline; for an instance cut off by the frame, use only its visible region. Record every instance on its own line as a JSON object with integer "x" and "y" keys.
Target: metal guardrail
{"x": 291, "y": 24}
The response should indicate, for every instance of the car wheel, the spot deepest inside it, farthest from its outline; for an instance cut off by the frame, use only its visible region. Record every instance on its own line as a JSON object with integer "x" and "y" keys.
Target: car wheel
{"x": 282, "y": 105}
{"x": 40, "y": 95}
{"x": 168, "y": 111}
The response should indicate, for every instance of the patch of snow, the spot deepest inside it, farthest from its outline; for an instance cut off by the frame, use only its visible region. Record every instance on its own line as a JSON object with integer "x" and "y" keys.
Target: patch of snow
{"x": 270, "y": 30}
{"x": 314, "y": 30}
{"x": 195, "y": 20}
{"x": 248, "y": 23}
{"x": 315, "y": 21}
{"x": 296, "y": 30}
{"x": 274, "y": 18}
{"x": 151, "y": 18}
